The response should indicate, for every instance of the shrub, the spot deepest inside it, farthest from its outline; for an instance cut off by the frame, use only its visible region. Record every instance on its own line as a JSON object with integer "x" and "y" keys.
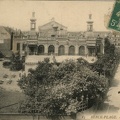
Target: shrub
{"x": 15, "y": 66}
{"x": 7, "y": 64}
{"x": 5, "y": 76}
{"x": 47, "y": 60}
{"x": 16, "y": 62}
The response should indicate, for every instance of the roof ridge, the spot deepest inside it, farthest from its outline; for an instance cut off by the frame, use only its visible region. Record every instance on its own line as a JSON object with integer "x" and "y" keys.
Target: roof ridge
{"x": 51, "y": 22}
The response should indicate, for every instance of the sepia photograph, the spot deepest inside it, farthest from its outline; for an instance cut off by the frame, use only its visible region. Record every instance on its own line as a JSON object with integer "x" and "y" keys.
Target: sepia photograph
{"x": 59, "y": 60}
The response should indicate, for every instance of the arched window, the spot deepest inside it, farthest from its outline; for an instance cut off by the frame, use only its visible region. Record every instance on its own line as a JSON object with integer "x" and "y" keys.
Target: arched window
{"x": 51, "y": 49}
{"x": 61, "y": 50}
{"x": 41, "y": 50}
{"x": 71, "y": 50}
{"x": 81, "y": 50}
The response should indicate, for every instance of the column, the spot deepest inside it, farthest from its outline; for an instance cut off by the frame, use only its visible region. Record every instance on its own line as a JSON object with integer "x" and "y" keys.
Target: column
{"x": 14, "y": 49}
{"x": 46, "y": 49}
{"x": 56, "y": 49}
{"x": 86, "y": 51}
{"x": 37, "y": 49}
{"x": 103, "y": 46}
{"x": 27, "y": 49}
{"x": 66, "y": 49}
{"x": 76, "y": 50}
{"x": 21, "y": 46}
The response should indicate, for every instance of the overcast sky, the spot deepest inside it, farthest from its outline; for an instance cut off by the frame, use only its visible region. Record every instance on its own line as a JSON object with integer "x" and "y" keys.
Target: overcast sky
{"x": 72, "y": 14}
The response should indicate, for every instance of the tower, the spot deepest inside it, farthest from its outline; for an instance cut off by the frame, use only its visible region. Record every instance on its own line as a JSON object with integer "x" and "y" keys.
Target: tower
{"x": 33, "y": 22}
{"x": 90, "y": 24}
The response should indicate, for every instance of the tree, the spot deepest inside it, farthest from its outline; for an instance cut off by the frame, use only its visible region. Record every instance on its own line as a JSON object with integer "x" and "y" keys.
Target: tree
{"x": 61, "y": 90}
{"x": 107, "y": 45}
{"x": 16, "y": 61}
{"x": 109, "y": 48}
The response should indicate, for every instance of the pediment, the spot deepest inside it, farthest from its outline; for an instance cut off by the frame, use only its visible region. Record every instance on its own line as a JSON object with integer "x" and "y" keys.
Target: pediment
{"x": 51, "y": 25}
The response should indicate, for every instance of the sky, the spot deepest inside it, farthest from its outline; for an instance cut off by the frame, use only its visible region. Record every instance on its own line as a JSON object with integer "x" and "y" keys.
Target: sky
{"x": 72, "y": 14}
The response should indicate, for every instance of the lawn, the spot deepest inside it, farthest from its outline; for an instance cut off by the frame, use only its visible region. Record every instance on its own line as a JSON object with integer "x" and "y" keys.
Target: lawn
{"x": 10, "y": 93}
{"x": 9, "y": 100}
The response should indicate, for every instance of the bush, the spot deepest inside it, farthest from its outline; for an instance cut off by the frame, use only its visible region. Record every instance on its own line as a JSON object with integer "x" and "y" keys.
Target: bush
{"x": 16, "y": 62}
{"x": 5, "y": 76}
{"x": 15, "y": 66}
{"x": 7, "y": 64}
{"x": 47, "y": 60}
{"x": 99, "y": 55}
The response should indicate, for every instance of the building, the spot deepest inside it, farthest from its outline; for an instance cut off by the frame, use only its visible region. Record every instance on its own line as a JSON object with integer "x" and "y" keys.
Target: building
{"x": 5, "y": 41}
{"x": 54, "y": 38}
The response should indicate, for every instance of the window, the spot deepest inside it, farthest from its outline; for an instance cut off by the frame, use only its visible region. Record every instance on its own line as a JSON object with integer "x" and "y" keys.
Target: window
{"x": 32, "y": 25}
{"x": 18, "y": 46}
{"x": 118, "y": 44}
{"x": 52, "y": 35}
{"x": 23, "y": 46}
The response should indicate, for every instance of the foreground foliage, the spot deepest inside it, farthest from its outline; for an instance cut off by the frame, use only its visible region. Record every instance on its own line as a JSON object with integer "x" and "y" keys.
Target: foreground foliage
{"x": 106, "y": 65}
{"x": 61, "y": 90}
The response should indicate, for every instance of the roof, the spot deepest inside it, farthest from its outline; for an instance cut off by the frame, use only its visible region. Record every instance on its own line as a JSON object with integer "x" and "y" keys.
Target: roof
{"x": 52, "y": 28}
{"x": 86, "y": 34}
{"x": 51, "y": 24}
{"x": 4, "y": 34}
{"x": 47, "y": 33}
{"x": 9, "y": 30}
{"x": 18, "y": 33}
{"x": 74, "y": 33}
{"x": 95, "y": 34}
{"x": 79, "y": 34}
{"x": 27, "y": 33}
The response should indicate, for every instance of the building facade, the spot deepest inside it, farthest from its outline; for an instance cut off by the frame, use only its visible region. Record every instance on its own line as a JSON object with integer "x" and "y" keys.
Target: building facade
{"x": 54, "y": 38}
{"x": 5, "y": 41}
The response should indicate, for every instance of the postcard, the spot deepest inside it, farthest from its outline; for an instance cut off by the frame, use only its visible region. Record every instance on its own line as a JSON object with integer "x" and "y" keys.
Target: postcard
{"x": 60, "y": 60}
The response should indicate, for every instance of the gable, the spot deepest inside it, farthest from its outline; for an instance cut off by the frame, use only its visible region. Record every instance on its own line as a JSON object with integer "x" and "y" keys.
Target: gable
{"x": 51, "y": 25}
